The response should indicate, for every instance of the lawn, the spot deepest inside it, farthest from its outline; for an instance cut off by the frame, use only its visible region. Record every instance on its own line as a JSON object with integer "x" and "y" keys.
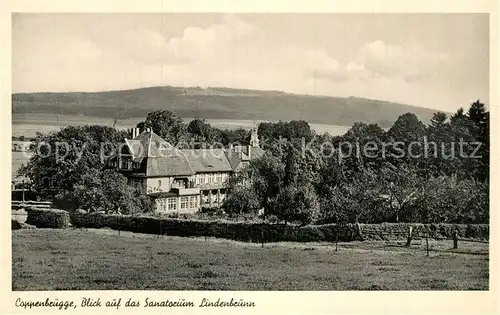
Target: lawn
{"x": 74, "y": 259}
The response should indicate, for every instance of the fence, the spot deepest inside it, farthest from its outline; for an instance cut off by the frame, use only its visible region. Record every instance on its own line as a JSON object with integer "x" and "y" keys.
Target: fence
{"x": 409, "y": 237}
{"x": 16, "y": 204}
{"x": 267, "y": 233}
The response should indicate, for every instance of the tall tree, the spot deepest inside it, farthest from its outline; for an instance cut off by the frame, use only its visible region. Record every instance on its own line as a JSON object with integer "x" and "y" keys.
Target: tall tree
{"x": 401, "y": 187}
{"x": 67, "y": 158}
{"x": 166, "y": 125}
{"x": 354, "y": 200}
{"x": 438, "y": 120}
{"x": 201, "y": 130}
{"x": 478, "y": 114}
{"x": 407, "y": 128}
{"x": 108, "y": 191}
{"x": 296, "y": 203}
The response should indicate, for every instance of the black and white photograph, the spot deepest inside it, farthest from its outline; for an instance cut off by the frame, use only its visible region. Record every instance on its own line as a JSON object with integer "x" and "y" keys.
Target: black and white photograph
{"x": 233, "y": 151}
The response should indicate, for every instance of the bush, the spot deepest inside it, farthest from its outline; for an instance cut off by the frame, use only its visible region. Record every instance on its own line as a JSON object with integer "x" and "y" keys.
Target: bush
{"x": 48, "y": 218}
{"x": 16, "y": 225}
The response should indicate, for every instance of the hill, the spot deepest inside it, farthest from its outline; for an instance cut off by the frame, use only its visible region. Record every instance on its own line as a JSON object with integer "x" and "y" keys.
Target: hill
{"x": 222, "y": 103}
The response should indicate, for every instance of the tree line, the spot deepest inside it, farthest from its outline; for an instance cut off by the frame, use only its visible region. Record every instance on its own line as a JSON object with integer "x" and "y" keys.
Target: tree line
{"x": 290, "y": 184}
{"x": 443, "y": 175}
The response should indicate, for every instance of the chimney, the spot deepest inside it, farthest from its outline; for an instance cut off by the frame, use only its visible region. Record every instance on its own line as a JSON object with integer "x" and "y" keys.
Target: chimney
{"x": 249, "y": 153}
{"x": 137, "y": 131}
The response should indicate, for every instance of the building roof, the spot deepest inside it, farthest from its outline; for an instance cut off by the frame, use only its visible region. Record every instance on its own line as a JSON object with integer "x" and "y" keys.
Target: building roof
{"x": 150, "y": 145}
{"x": 208, "y": 160}
{"x": 162, "y": 158}
{"x": 240, "y": 154}
{"x": 234, "y": 158}
{"x": 168, "y": 166}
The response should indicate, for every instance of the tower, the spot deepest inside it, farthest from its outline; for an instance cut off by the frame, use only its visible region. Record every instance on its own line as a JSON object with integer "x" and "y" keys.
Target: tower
{"x": 254, "y": 138}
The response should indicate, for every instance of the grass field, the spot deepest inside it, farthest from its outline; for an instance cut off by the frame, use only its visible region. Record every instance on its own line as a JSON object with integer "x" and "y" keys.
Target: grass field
{"x": 92, "y": 260}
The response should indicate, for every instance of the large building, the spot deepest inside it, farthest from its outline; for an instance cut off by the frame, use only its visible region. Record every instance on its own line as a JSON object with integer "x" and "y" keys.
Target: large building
{"x": 181, "y": 180}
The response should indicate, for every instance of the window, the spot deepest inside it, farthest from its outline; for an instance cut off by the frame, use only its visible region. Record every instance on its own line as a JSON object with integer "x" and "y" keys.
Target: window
{"x": 172, "y": 203}
{"x": 192, "y": 202}
{"x": 184, "y": 202}
{"x": 218, "y": 179}
{"x": 210, "y": 178}
{"x": 202, "y": 179}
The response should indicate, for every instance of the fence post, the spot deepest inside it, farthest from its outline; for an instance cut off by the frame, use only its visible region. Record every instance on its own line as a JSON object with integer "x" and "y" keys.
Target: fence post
{"x": 360, "y": 233}
{"x": 455, "y": 240}
{"x": 337, "y": 238}
{"x": 427, "y": 243}
{"x": 408, "y": 241}
{"x": 262, "y": 237}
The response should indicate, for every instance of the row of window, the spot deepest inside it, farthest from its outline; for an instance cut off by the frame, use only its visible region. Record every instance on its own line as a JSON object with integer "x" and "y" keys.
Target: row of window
{"x": 210, "y": 178}
{"x": 170, "y": 204}
{"x": 125, "y": 164}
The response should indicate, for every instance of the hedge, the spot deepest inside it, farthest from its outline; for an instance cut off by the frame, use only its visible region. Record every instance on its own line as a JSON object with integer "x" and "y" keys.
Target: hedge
{"x": 48, "y": 218}
{"x": 16, "y": 225}
{"x": 267, "y": 232}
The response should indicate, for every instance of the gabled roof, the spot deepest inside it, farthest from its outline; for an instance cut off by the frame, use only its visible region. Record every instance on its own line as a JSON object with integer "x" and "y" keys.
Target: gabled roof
{"x": 169, "y": 166}
{"x": 162, "y": 158}
{"x": 257, "y": 152}
{"x": 234, "y": 158}
{"x": 240, "y": 154}
{"x": 150, "y": 145}
{"x": 208, "y": 160}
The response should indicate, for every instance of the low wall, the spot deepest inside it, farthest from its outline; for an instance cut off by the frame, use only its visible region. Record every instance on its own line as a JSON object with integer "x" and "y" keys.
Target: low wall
{"x": 258, "y": 232}
{"x": 388, "y": 231}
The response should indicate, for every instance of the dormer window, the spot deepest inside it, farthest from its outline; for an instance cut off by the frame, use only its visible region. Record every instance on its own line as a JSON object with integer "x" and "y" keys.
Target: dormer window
{"x": 125, "y": 164}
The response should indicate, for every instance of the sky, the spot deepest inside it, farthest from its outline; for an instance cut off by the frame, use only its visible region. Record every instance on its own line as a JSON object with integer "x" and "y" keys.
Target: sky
{"x": 438, "y": 61}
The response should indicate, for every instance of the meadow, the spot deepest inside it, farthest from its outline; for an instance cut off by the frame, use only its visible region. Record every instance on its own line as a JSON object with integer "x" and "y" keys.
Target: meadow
{"x": 79, "y": 259}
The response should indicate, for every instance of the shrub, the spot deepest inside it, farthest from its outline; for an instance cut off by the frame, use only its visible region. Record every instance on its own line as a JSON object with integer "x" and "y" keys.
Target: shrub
{"x": 48, "y": 218}
{"x": 16, "y": 225}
